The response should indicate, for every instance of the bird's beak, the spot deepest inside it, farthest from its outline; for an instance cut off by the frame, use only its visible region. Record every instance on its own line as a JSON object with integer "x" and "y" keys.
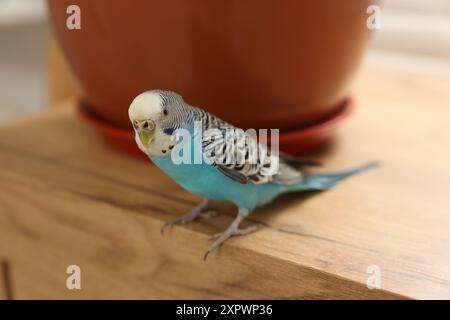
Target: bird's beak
{"x": 146, "y": 134}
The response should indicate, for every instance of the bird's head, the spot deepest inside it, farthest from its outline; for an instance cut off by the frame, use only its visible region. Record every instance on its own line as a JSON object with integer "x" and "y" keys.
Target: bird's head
{"x": 153, "y": 115}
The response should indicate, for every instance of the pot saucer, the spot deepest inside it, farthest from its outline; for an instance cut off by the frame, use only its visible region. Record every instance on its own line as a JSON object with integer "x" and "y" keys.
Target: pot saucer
{"x": 296, "y": 142}
{"x": 313, "y": 137}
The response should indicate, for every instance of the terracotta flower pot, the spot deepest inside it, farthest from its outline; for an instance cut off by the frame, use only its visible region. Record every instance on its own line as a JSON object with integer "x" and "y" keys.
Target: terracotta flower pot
{"x": 256, "y": 63}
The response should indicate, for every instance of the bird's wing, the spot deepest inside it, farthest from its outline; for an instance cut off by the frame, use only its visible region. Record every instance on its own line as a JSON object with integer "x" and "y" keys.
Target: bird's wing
{"x": 240, "y": 157}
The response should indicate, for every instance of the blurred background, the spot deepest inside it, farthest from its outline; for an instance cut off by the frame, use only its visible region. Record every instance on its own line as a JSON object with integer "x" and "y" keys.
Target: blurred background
{"x": 414, "y": 34}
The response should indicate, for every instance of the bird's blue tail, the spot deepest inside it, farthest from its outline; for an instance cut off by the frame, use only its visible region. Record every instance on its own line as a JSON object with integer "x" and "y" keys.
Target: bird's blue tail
{"x": 324, "y": 181}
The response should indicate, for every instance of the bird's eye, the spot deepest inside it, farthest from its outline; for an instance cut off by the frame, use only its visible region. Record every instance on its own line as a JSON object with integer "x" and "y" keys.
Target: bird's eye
{"x": 165, "y": 112}
{"x": 136, "y": 124}
{"x": 146, "y": 125}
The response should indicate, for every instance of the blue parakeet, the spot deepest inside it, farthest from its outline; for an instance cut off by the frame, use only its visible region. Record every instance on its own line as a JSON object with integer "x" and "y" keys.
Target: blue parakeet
{"x": 223, "y": 163}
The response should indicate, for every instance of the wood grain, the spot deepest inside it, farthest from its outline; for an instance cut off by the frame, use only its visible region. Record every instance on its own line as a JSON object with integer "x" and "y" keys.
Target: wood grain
{"x": 66, "y": 198}
{"x": 6, "y": 292}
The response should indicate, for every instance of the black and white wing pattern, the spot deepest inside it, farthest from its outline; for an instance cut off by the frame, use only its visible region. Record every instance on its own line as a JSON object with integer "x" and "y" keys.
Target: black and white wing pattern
{"x": 238, "y": 155}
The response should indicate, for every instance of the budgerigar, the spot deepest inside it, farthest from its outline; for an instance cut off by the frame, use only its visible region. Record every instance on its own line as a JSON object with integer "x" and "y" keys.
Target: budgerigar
{"x": 240, "y": 173}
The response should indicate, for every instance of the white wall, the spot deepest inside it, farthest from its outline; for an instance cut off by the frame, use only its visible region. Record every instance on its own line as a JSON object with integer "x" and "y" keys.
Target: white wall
{"x": 22, "y": 59}
{"x": 414, "y": 35}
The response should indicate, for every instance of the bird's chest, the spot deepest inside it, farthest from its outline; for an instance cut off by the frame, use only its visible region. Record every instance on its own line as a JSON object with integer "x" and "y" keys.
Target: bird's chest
{"x": 202, "y": 179}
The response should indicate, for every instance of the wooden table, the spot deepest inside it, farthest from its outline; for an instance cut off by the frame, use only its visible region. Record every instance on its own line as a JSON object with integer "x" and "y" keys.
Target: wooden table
{"x": 68, "y": 199}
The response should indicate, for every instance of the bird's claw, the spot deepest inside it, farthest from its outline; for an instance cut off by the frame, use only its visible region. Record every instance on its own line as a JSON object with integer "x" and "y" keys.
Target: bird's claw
{"x": 170, "y": 224}
{"x": 208, "y": 214}
{"x": 220, "y": 238}
{"x": 239, "y": 232}
{"x": 198, "y": 211}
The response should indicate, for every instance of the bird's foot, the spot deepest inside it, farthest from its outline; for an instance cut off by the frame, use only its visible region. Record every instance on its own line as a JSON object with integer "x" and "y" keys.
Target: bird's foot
{"x": 208, "y": 214}
{"x": 239, "y": 232}
{"x": 198, "y": 211}
{"x": 232, "y": 230}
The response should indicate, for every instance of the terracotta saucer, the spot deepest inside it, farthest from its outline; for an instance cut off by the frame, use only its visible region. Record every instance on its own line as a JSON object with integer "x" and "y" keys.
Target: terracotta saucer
{"x": 295, "y": 142}
{"x": 310, "y": 138}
